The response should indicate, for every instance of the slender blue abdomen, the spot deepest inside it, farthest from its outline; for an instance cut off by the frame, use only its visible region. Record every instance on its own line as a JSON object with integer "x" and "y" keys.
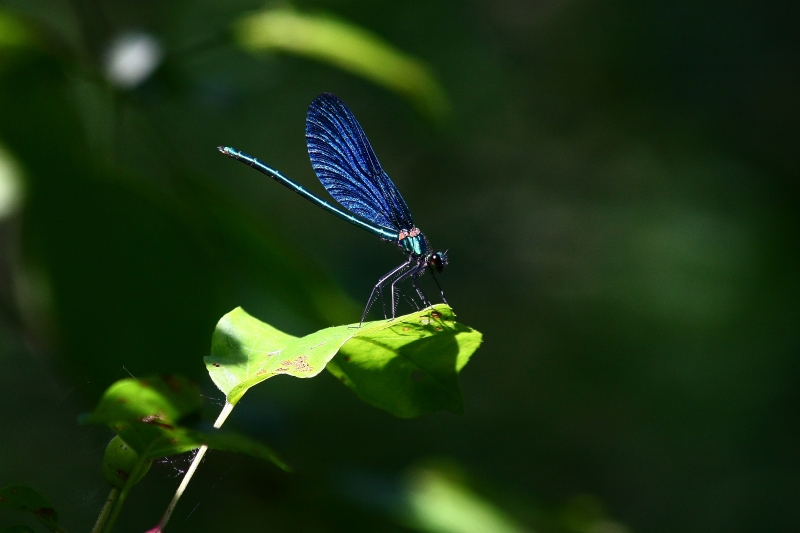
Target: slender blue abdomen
{"x": 383, "y": 233}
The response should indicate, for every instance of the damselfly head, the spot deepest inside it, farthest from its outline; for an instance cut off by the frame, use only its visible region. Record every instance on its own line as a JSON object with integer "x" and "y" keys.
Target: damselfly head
{"x": 438, "y": 260}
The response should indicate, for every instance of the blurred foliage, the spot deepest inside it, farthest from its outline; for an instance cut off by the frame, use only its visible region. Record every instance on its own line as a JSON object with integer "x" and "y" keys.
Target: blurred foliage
{"x": 440, "y": 504}
{"x": 27, "y": 500}
{"x": 346, "y": 46}
{"x": 616, "y": 185}
{"x": 154, "y": 417}
{"x": 14, "y": 32}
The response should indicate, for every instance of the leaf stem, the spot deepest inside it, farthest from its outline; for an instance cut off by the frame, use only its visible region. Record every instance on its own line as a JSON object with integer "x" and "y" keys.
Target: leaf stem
{"x": 101, "y": 518}
{"x": 123, "y": 494}
{"x": 201, "y": 452}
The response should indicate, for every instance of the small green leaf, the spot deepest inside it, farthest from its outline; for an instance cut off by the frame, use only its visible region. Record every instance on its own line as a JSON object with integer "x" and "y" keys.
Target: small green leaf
{"x": 163, "y": 400}
{"x": 147, "y": 415}
{"x": 120, "y": 462}
{"x": 348, "y": 47}
{"x": 409, "y": 366}
{"x": 27, "y": 500}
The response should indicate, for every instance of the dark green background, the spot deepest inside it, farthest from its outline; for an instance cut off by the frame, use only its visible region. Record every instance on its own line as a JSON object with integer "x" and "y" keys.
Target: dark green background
{"x": 617, "y": 186}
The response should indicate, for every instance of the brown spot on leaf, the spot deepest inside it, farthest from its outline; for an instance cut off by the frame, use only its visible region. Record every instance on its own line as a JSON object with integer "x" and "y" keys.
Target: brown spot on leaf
{"x": 299, "y": 364}
{"x": 406, "y": 328}
{"x": 153, "y": 420}
{"x": 346, "y": 358}
{"x": 436, "y": 314}
{"x": 438, "y": 328}
{"x": 216, "y": 365}
{"x": 123, "y": 474}
{"x": 46, "y": 512}
{"x": 173, "y": 383}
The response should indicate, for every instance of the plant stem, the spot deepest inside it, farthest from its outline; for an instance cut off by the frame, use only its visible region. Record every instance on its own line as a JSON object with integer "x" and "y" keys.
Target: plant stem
{"x": 123, "y": 494}
{"x": 101, "y": 519}
{"x": 223, "y": 415}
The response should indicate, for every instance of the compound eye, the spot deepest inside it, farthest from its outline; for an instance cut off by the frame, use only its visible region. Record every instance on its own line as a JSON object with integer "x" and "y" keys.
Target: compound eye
{"x": 439, "y": 261}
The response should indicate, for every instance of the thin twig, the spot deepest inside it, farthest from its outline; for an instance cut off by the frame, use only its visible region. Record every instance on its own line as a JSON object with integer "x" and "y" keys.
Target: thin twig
{"x": 226, "y": 410}
{"x": 101, "y": 519}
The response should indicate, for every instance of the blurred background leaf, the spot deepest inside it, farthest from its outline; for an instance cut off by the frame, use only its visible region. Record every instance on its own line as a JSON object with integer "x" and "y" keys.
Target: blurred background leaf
{"x": 346, "y": 46}
{"x": 616, "y": 183}
{"x": 27, "y": 500}
{"x": 14, "y": 32}
{"x": 440, "y": 504}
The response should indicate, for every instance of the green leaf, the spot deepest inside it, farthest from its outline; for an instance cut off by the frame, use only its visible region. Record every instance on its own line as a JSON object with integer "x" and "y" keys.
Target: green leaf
{"x": 160, "y": 400}
{"x": 233, "y": 442}
{"x": 348, "y": 47}
{"x": 246, "y": 351}
{"x": 154, "y": 443}
{"x": 148, "y": 413}
{"x": 121, "y": 464}
{"x": 27, "y": 500}
{"x": 407, "y": 366}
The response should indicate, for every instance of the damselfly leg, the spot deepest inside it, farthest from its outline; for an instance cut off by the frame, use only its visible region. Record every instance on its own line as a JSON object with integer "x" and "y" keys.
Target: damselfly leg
{"x": 441, "y": 291}
{"x": 377, "y": 290}
{"x": 413, "y": 273}
{"x": 415, "y": 283}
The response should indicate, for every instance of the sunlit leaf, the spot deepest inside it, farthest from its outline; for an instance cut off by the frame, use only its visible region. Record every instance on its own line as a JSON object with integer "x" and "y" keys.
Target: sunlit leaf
{"x": 27, "y": 500}
{"x": 346, "y": 46}
{"x": 407, "y": 366}
{"x": 246, "y": 351}
{"x": 148, "y": 414}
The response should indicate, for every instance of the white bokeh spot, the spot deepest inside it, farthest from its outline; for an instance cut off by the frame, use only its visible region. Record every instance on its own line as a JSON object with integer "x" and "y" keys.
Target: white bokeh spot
{"x": 131, "y": 58}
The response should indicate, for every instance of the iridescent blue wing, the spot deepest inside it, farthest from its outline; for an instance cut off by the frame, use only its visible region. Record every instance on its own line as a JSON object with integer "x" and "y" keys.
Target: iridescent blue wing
{"x": 347, "y": 167}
